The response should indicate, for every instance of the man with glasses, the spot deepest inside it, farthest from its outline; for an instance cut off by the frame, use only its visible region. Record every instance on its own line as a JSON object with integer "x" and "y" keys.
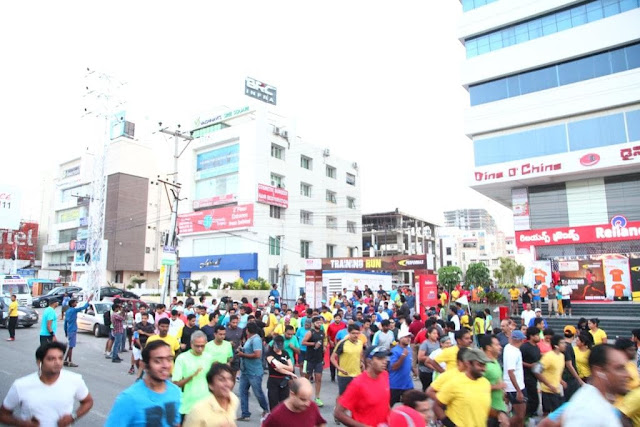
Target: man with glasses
{"x": 190, "y": 373}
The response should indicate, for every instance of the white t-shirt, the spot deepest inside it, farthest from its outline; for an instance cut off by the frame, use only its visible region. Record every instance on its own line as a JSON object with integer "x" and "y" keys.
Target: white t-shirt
{"x": 456, "y": 321}
{"x": 175, "y": 326}
{"x": 566, "y": 292}
{"x": 581, "y": 407}
{"x": 29, "y": 397}
{"x": 527, "y": 315}
{"x": 138, "y": 318}
{"x": 512, "y": 360}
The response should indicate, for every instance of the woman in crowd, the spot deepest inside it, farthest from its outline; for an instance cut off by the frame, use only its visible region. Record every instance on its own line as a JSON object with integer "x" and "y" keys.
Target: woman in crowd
{"x": 582, "y": 349}
{"x": 280, "y": 372}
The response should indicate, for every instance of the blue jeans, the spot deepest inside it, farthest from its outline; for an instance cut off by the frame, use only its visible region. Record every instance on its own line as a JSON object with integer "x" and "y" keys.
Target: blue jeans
{"x": 118, "y": 342}
{"x": 255, "y": 382}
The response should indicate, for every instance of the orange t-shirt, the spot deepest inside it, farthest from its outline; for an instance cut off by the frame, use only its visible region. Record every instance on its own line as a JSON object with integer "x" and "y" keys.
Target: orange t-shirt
{"x": 618, "y": 289}
{"x": 540, "y": 275}
{"x": 616, "y": 274}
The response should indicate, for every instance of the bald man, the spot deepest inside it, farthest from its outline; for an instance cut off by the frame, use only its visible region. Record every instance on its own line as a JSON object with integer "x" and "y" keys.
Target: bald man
{"x": 298, "y": 409}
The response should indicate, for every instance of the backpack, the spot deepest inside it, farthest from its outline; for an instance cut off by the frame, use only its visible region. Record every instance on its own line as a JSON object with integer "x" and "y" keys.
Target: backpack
{"x": 106, "y": 317}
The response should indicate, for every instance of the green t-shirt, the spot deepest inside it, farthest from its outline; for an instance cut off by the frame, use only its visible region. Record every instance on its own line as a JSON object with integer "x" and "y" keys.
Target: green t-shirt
{"x": 293, "y": 340}
{"x": 219, "y": 353}
{"x": 196, "y": 389}
{"x": 493, "y": 373}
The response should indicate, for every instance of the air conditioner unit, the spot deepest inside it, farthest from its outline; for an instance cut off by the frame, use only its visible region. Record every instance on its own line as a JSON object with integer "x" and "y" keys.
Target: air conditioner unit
{"x": 326, "y": 152}
{"x": 276, "y": 130}
{"x": 354, "y": 165}
{"x": 284, "y": 134}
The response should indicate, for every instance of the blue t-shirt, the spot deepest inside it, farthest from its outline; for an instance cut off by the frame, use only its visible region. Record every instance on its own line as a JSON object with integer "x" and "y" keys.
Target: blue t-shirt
{"x": 71, "y": 317}
{"x": 275, "y": 294}
{"x": 300, "y": 333}
{"x": 140, "y": 406}
{"x": 242, "y": 322}
{"x": 49, "y": 314}
{"x": 252, "y": 366}
{"x": 400, "y": 379}
{"x": 536, "y": 294}
{"x": 341, "y": 334}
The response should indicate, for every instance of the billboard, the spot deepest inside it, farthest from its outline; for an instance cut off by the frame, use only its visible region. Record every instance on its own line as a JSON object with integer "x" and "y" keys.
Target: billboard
{"x": 24, "y": 238}
{"x": 225, "y": 218}
{"x": 520, "y": 207}
{"x": 313, "y": 288}
{"x": 617, "y": 279}
{"x": 538, "y": 271}
{"x": 9, "y": 207}
{"x": 210, "y": 202}
{"x": 586, "y": 278}
{"x": 261, "y": 91}
{"x": 384, "y": 263}
{"x": 582, "y": 234}
{"x": 273, "y": 196}
{"x": 220, "y": 161}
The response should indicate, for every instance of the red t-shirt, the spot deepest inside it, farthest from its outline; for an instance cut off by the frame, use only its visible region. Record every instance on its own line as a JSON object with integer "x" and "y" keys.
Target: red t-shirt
{"x": 420, "y": 337}
{"x": 404, "y": 416}
{"x": 334, "y": 328}
{"x": 283, "y": 416}
{"x": 415, "y": 327}
{"x": 367, "y": 398}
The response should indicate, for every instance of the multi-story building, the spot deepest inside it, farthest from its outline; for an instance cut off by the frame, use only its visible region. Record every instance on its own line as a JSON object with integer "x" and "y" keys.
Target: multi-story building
{"x": 555, "y": 121}
{"x": 461, "y": 247}
{"x": 470, "y": 219}
{"x": 136, "y": 215}
{"x": 260, "y": 200}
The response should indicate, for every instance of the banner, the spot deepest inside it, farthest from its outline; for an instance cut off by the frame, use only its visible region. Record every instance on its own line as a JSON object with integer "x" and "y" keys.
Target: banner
{"x": 586, "y": 278}
{"x": 25, "y": 238}
{"x": 538, "y": 271}
{"x": 313, "y": 288}
{"x": 226, "y": 218}
{"x": 574, "y": 235}
{"x": 617, "y": 279}
{"x": 220, "y": 161}
{"x": 9, "y": 207}
{"x": 273, "y": 196}
{"x": 634, "y": 264}
{"x": 387, "y": 263}
{"x": 520, "y": 204}
{"x": 427, "y": 293}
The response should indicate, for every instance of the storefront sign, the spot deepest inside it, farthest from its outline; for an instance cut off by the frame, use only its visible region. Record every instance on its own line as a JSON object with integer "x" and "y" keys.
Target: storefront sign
{"x": 273, "y": 196}
{"x": 632, "y": 153}
{"x": 208, "y": 121}
{"x": 24, "y": 239}
{"x": 388, "y": 263}
{"x": 582, "y": 234}
{"x": 313, "y": 264}
{"x": 71, "y": 172}
{"x": 220, "y": 161}
{"x": 226, "y": 218}
{"x": 78, "y": 245}
{"x": 261, "y": 91}
{"x": 210, "y": 202}
{"x": 58, "y": 247}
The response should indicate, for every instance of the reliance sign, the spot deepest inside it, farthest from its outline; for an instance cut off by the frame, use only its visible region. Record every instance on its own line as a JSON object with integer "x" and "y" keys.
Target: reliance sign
{"x": 584, "y": 234}
{"x": 273, "y": 196}
{"x": 225, "y": 218}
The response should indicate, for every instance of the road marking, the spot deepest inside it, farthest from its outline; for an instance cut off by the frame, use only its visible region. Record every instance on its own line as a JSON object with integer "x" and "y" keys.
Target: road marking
{"x": 6, "y": 372}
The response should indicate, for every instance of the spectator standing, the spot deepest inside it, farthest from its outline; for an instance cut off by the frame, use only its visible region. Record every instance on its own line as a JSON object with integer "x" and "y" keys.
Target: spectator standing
{"x": 49, "y": 324}
{"x": 13, "y": 318}
{"x": 275, "y": 294}
{"x": 117, "y": 321}
{"x": 71, "y": 328}
{"x": 566, "y": 292}
{"x": 536, "y": 296}
{"x": 514, "y": 294}
{"x": 552, "y": 300}
{"x": 527, "y": 314}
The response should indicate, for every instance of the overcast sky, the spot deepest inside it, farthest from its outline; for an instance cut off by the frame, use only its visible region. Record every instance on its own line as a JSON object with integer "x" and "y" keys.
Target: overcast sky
{"x": 376, "y": 82}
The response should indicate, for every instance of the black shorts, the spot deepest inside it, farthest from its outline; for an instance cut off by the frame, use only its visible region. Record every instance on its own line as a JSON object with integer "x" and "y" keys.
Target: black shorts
{"x": 566, "y": 303}
{"x": 129, "y": 332}
{"x": 550, "y": 402}
{"x": 311, "y": 367}
{"x": 511, "y": 395}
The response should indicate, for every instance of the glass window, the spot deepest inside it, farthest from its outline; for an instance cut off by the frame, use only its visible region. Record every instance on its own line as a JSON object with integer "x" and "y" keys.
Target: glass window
{"x": 633, "y": 125}
{"x": 331, "y": 250}
{"x": 217, "y": 186}
{"x": 618, "y": 60}
{"x": 305, "y": 249}
{"x": 548, "y": 206}
{"x": 522, "y": 33}
{"x": 277, "y": 180}
{"x": 534, "y": 81}
{"x": 351, "y": 227}
{"x": 622, "y": 196}
{"x": 351, "y": 203}
{"x": 305, "y": 162}
{"x": 273, "y": 275}
{"x": 66, "y": 236}
{"x": 331, "y": 197}
{"x": 628, "y": 5}
{"x": 488, "y": 92}
{"x": 563, "y": 20}
{"x": 535, "y": 29}
{"x": 274, "y": 245}
{"x": 633, "y": 56}
{"x": 277, "y": 151}
{"x": 594, "y": 11}
{"x": 597, "y": 132}
{"x": 351, "y": 179}
{"x": 332, "y": 222}
{"x": 611, "y": 7}
{"x": 306, "y": 217}
{"x": 331, "y": 172}
{"x": 578, "y": 16}
{"x": 275, "y": 212}
{"x": 549, "y": 25}
{"x": 305, "y": 189}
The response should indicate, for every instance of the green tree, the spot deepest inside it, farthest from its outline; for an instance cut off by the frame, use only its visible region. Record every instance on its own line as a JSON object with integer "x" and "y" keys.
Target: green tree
{"x": 478, "y": 275}
{"x": 510, "y": 272}
{"x": 449, "y": 276}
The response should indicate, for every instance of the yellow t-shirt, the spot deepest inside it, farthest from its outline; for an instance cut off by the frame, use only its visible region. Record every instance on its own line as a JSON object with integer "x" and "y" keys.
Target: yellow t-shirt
{"x": 464, "y": 321}
{"x": 598, "y": 336}
{"x": 273, "y": 321}
{"x": 630, "y": 406}
{"x": 444, "y": 377}
{"x": 349, "y": 357}
{"x": 455, "y": 294}
{"x": 448, "y": 356}
{"x": 208, "y": 412}
{"x": 203, "y": 320}
{"x": 582, "y": 362}
{"x": 514, "y": 293}
{"x": 634, "y": 381}
{"x": 478, "y": 326}
{"x": 169, "y": 339}
{"x": 468, "y": 401}
{"x": 327, "y": 316}
{"x": 553, "y": 366}
{"x": 13, "y": 309}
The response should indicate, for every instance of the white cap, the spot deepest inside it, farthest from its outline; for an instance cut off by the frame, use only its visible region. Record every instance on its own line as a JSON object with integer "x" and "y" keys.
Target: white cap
{"x": 403, "y": 334}
{"x": 537, "y": 309}
{"x": 272, "y": 298}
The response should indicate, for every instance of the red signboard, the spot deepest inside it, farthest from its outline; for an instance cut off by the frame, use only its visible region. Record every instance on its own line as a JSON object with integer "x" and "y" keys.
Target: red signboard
{"x": 229, "y": 217}
{"x": 427, "y": 291}
{"x": 25, "y": 239}
{"x": 273, "y": 196}
{"x": 210, "y": 202}
{"x": 573, "y": 235}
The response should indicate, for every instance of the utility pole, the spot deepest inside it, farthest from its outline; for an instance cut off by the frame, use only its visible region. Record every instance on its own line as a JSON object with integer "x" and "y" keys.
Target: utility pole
{"x": 171, "y": 238}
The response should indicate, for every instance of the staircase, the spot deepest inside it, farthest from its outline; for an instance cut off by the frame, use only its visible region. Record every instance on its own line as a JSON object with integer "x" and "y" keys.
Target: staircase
{"x": 617, "y": 319}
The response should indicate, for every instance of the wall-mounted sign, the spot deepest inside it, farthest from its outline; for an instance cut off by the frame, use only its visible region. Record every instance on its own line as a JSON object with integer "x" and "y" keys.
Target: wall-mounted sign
{"x": 57, "y": 247}
{"x": 225, "y": 218}
{"x": 261, "y": 91}
{"x": 220, "y": 161}
{"x": 25, "y": 238}
{"x": 386, "y": 263}
{"x": 208, "y": 121}
{"x": 520, "y": 207}
{"x": 210, "y": 202}
{"x": 273, "y": 196}
{"x": 574, "y": 235}
{"x": 9, "y": 207}
{"x": 71, "y": 172}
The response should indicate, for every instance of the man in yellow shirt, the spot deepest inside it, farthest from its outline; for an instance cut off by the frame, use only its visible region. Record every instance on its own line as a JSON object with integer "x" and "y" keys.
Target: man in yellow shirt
{"x": 13, "y": 318}
{"x": 448, "y": 375}
{"x": 328, "y": 317}
{"x": 551, "y": 378}
{"x": 220, "y": 407}
{"x": 163, "y": 335}
{"x": 449, "y": 355}
{"x": 514, "y": 293}
{"x": 467, "y": 397}
{"x": 629, "y": 348}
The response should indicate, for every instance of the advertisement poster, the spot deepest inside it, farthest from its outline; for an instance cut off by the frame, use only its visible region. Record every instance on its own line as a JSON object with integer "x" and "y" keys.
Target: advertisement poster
{"x": 634, "y": 264}
{"x": 240, "y": 216}
{"x": 9, "y": 207}
{"x": 427, "y": 293}
{"x": 538, "y": 272}
{"x": 24, "y": 239}
{"x": 585, "y": 277}
{"x": 313, "y": 288}
{"x": 220, "y": 161}
{"x": 273, "y": 196}
{"x": 520, "y": 206}
{"x": 617, "y": 279}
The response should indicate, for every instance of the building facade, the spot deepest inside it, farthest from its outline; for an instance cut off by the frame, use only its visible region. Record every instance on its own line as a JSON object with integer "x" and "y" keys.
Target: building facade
{"x": 555, "y": 121}
{"x": 470, "y": 219}
{"x": 260, "y": 200}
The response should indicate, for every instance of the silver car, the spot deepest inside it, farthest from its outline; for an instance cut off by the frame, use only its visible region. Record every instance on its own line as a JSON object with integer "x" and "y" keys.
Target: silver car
{"x": 92, "y": 319}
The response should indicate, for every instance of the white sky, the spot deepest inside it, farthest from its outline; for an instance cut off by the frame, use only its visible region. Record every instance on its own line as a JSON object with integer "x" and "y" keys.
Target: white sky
{"x": 376, "y": 82}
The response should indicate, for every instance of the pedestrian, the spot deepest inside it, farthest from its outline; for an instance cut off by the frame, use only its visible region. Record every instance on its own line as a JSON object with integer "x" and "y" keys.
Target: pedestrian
{"x": 252, "y": 372}
{"x": 454, "y": 317}
{"x": 314, "y": 340}
{"x": 187, "y": 330}
{"x": 400, "y": 367}
{"x": 599, "y": 336}
{"x": 106, "y": 319}
{"x": 117, "y": 320}
{"x": 49, "y": 324}
{"x": 527, "y": 314}
{"x": 415, "y": 411}
{"x": 219, "y": 408}
{"x": 584, "y": 342}
{"x": 334, "y": 327}
{"x": 143, "y": 310}
{"x": 190, "y": 373}
{"x": 298, "y": 409}
{"x": 163, "y": 335}
{"x": 570, "y": 372}
{"x": 531, "y": 362}
{"x": 552, "y": 300}
{"x": 209, "y": 328}
{"x": 71, "y": 328}
{"x": 427, "y": 347}
{"x": 384, "y": 337}
{"x": 552, "y": 384}
{"x": 513, "y": 376}
{"x": 300, "y": 333}
{"x": 629, "y": 349}
{"x": 233, "y": 334}
{"x": 13, "y": 318}
{"x": 514, "y": 294}
{"x": 479, "y": 325}
{"x": 449, "y": 355}
{"x": 566, "y": 292}
{"x": 536, "y": 296}
{"x": 467, "y": 397}
{"x": 65, "y": 305}
{"x": 493, "y": 373}
{"x": 220, "y": 350}
{"x": 142, "y": 331}
{"x": 46, "y": 397}
{"x": 153, "y": 400}
{"x": 348, "y": 358}
{"x": 367, "y": 395}
{"x": 281, "y": 370}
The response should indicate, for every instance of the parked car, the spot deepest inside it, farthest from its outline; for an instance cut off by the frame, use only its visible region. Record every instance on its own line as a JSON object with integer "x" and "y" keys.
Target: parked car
{"x": 133, "y": 303}
{"x": 55, "y": 294}
{"x": 27, "y": 316}
{"x": 110, "y": 291}
{"x": 92, "y": 319}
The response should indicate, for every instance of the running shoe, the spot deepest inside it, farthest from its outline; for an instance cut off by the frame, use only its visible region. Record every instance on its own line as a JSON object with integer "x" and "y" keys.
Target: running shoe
{"x": 319, "y": 403}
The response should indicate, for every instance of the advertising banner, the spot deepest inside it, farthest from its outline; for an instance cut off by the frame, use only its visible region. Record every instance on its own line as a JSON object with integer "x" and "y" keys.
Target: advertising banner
{"x": 582, "y": 234}
{"x": 313, "y": 287}
{"x": 220, "y": 161}
{"x": 617, "y": 279}
{"x": 520, "y": 206}
{"x": 538, "y": 271}
{"x": 586, "y": 278}
{"x": 273, "y": 196}
{"x": 210, "y": 202}
{"x": 25, "y": 238}
{"x": 385, "y": 263}
{"x": 226, "y": 218}
{"x": 9, "y": 207}
{"x": 427, "y": 293}
{"x": 634, "y": 267}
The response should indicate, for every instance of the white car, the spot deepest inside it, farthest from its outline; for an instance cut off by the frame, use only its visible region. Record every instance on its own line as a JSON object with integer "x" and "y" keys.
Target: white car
{"x": 92, "y": 319}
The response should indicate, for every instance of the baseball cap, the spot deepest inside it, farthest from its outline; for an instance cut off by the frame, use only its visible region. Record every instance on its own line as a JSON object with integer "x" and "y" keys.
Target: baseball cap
{"x": 570, "y": 328}
{"x": 403, "y": 334}
{"x": 538, "y": 309}
{"x": 518, "y": 335}
{"x": 272, "y": 298}
{"x": 377, "y": 351}
{"x": 475, "y": 354}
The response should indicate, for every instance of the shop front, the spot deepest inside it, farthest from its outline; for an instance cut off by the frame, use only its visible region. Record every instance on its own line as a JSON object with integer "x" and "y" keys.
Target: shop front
{"x": 227, "y": 268}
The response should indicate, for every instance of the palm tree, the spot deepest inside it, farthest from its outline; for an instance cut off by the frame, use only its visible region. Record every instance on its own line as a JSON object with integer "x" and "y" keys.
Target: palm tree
{"x": 510, "y": 272}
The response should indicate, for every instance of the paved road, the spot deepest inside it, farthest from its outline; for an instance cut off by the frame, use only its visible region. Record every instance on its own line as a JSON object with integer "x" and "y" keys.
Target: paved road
{"x": 104, "y": 379}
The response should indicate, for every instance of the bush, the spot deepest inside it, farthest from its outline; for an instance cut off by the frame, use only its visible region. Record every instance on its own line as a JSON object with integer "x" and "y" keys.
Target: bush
{"x": 238, "y": 284}
{"x": 253, "y": 284}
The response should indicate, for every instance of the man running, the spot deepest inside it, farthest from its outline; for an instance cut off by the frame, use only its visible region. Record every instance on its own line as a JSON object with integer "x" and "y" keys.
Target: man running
{"x": 219, "y": 349}
{"x": 49, "y": 324}
{"x": 348, "y": 358}
{"x": 530, "y": 361}
{"x": 298, "y": 409}
{"x": 314, "y": 340}
{"x": 400, "y": 367}
{"x": 334, "y": 327}
{"x": 553, "y": 365}
{"x": 493, "y": 373}
{"x": 46, "y": 397}
{"x": 142, "y": 331}
{"x": 163, "y": 335}
{"x": 154, "y": 400}
{"x": 513, "y": 376}
{"x": 71, "y": 327}
{"x": 190, "y": 373}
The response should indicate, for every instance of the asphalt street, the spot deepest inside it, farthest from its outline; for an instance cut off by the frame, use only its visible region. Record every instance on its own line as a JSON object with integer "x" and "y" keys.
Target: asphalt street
{"x": 105, "y": 379}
